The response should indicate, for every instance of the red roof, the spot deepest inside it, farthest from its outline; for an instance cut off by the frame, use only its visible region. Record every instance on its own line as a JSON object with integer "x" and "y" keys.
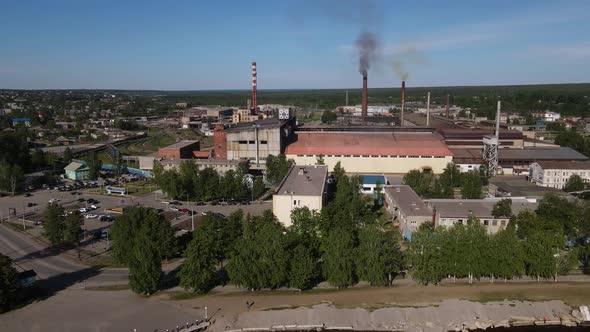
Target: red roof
{"x": 374, "y": 144}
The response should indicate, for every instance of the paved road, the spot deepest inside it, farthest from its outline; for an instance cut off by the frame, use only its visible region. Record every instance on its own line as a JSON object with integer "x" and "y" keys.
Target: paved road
{"x": 51, "y": 266}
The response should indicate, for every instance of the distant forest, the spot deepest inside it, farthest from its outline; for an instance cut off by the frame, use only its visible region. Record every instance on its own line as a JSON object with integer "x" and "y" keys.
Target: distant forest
{"x": 568, "y": 99}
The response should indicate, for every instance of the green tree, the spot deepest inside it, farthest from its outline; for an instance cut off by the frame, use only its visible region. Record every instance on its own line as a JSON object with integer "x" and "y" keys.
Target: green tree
{"x": 11, "y": 177}
{"x": 54, "y": 225}
{"x": 426, "y": 257}
{"x": 72, "y": 229}
{"x": 258, "y": 187}
{"x": 541, "y": 254}
{"x": 260, "y": 259}
{"x": 502, "y": 208}
{"x": 329, "y": 117}
{"x": 94, "y": 165}
{"x": 9, "y": 286}
{"x": 471, "y": 185}
{"x": 559, "y": 214}
{"x": 198, "y": 273}
{"x": 574, "y": 183}
{"x": 377, "y": 257}
{"x": 145, "y": 265}
{"x": 420, "y": 181}
{"x": 277, "y": 168}
{"x": 507, "y": 252}
{"x": 38, "y": 158}
{"x": 338, "y": 258}
{"x": 303, "y": 268}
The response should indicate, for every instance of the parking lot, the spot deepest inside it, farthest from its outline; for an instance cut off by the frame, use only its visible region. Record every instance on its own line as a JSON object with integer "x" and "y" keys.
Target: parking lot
{"x": 94, "y": 236}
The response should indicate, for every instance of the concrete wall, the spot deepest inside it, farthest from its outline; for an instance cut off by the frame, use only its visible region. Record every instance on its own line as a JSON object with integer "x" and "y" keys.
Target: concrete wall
{"x": 242, "y": 144}
{"x": 377, "y": 164}
{"x": 282, "y": 205}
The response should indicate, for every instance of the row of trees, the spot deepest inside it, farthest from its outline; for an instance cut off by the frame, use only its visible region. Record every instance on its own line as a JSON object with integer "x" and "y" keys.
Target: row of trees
{"x": 191, "y": 183}
{"x": 343, "y": 244}
{"x": 467, "y": 251}
{"x": 141, "y": 240}
{"x": 62, "y": 229}
{"x": 9, "y": 285}
{"x": 428, "y": 185}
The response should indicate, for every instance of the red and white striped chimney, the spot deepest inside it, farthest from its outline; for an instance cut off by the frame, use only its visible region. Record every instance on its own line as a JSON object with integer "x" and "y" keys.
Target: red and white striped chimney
{"x": 254, "y": 101}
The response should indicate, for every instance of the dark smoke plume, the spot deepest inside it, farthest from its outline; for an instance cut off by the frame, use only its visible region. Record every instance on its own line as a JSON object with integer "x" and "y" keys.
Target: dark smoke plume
{"x": 366, "y": 44}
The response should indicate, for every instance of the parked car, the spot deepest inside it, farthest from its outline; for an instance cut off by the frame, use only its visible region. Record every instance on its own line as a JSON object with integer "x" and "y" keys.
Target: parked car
{"x": 93, "y": 207}
{"x": 183, "y": 210}
{"x": 191, "y": 212}
{"x": 90, "y": 216}
{"x": 54, "y": 200}
{"x": 31, "y": 204}
{"x": 174, "y": 208}
{"x": 83, "y": 210}
{"x": 81, "y": 199}
{"x": 199, "y": 203}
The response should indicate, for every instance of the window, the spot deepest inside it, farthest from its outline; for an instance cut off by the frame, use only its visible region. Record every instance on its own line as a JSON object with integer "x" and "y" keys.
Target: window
{"x": 439, "y": 156}
{"x": 486, "y": 222}
{"x": 294, "y": 202}
{"x": 413, "y": 157}
{"x": 365, "y": 156}
{"x": 503, "y": 222}
{"x": 263, "y": 142}
{"x": 494, "y": 222}
{"x": 243, "y": 142}
{"x": 401, "y": 156}
{"x": 251, "y": 142}
{"x": 356, "y": 156}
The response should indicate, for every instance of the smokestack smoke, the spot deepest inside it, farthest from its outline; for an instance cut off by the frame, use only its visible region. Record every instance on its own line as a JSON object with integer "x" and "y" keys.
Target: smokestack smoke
{"x": 403, "y": 102}
{"x": 364, "y": 102}
{"x": 366, "y": 44}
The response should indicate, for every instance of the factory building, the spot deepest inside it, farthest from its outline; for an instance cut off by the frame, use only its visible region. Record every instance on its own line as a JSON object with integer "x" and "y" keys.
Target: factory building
{"x": 371, "y": 152}
{"x": 253, "y": 141}
{"x": 514, "y": 161}
{"x": 465, "y": 138}
{"x": 179, "y": 150}
{"x": 555, "y": 174}
{"x": 304, "y": 186}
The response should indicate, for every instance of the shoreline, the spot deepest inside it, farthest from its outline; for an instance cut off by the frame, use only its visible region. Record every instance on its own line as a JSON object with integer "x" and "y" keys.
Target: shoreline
{"x": 449, "y": 315}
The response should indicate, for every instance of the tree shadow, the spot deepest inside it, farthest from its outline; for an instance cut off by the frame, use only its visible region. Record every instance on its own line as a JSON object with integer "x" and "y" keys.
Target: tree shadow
{"x": 48, "y": 287}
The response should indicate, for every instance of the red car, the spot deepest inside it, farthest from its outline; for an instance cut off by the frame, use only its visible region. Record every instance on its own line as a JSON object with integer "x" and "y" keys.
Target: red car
{"x": 183, "y": 210}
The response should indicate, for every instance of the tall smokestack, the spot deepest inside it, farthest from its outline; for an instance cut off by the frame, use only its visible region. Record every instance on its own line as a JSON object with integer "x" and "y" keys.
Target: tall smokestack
{"x": 364, "y": 97}
{"x": 254, "y": 101}
{"x": 403, "y": 102}
{"x": 428, "y": 110}
{"x": 498, "y": 119}
{"x": 447, "y": 111}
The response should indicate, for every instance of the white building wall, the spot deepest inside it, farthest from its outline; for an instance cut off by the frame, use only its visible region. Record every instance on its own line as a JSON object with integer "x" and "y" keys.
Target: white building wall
{"x": 282, "y": 205}
{"x": 555, "y": 178}
{"x": 371, "y": 164}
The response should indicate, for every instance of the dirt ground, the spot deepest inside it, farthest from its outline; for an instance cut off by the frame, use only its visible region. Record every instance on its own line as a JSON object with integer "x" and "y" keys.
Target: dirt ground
{"x": 373, "y": 298}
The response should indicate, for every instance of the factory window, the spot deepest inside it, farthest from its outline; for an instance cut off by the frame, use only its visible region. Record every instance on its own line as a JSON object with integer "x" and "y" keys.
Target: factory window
{"x": 251, "y": 142}
{"x": 426, "y": 157}
{"x": 243, "y": 142}
{"x": 356, "y": 156}
{"x": 439, "y": 156}
{"x": 401, "y": 156}
{"x": 365, "y": 156}
{"x": 263, "y": 142}
{"x": 299, "y": 155}
{"x": 394, "y": 156}
{"x": 384, "y": 156}
{"x": 412, "y": 156}
{"x": 346, "y": 155}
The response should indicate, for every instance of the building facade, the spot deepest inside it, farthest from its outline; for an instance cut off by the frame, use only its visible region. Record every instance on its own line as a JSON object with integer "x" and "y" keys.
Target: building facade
{"x": 77, "y": 170}
{"x": 555, "y": 174}
{"x": 407, "y": 209}
{"x": 180, "y": 150}
{"x": 304, "y": 186}
{"x": 449, "y": 212}
{"x": 371, "y": 152}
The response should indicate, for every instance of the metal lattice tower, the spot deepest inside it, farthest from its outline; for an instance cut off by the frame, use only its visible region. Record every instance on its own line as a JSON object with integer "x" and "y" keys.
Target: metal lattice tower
{"x": 490, "y": 147}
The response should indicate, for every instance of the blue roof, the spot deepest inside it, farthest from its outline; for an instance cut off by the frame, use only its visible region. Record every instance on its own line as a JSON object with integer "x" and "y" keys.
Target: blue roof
{"x": 21, "y": 119}
{"x": 372, "y": 179}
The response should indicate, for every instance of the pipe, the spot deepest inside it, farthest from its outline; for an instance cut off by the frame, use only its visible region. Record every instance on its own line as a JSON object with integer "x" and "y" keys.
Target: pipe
{"x": 254, "y": 88}
{"x": 403, "y": 102}
{"x": 364, "y": 102}
{"x": 428, "y": 110}
{"x": 498, "y": 120}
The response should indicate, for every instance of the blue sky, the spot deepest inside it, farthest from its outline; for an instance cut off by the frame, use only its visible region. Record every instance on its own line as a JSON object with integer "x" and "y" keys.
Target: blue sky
{"x": 202, "y": 45}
